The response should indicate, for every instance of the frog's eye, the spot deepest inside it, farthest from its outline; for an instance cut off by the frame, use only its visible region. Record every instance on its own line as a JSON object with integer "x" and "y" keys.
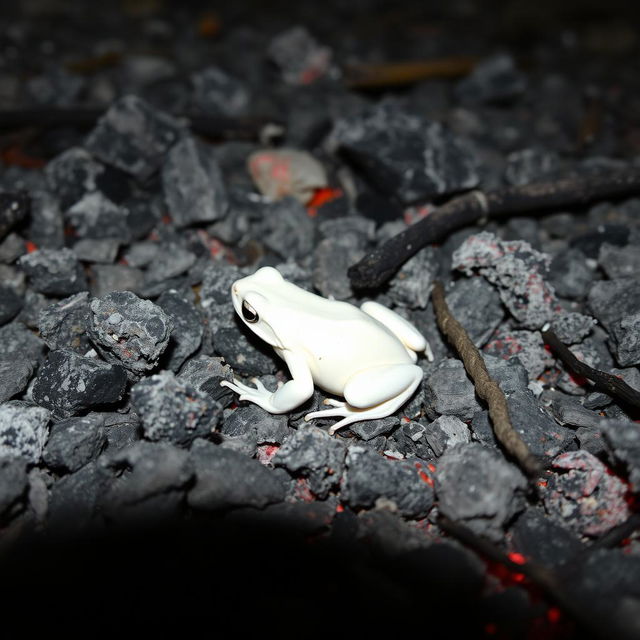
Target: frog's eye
{"x": 249, "y": 313}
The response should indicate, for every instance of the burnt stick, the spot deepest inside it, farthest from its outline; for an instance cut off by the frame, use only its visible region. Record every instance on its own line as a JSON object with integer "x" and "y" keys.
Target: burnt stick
{"x": 379, "y": 266}
{"x": 606, "y": 382}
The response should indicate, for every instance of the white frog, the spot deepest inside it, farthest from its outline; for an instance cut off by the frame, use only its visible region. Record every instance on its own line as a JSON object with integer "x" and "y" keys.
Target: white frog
{"x": 365, "y": 355}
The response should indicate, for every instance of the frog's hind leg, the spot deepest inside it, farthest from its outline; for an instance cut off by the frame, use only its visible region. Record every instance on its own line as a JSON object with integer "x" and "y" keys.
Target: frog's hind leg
{"x": 410, "y": 337}
{"x": 372, "y": 394}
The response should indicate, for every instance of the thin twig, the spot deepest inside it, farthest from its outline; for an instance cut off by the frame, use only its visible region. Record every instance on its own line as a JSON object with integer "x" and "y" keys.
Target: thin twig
{"x": 606, "y": 382}
{"x": 380, "y": 265}
{"x": 487, "y": 388}
{"x": 543, "y": 577}
{"x": 391, "y": 74}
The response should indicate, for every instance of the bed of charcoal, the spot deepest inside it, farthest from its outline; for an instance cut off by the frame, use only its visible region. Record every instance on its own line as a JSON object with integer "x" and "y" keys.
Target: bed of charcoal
{"x": 133, "y": 486}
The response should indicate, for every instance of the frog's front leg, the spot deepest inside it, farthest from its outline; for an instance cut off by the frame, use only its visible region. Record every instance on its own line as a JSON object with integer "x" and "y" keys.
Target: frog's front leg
{"x": 289, "y": 396}
{"x": 371, "y": 394}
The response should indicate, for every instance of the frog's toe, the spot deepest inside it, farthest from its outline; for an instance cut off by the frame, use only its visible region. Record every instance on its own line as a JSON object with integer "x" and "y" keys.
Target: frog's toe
{"x": 326, "y": 413}
{"x": 334, "y": 403}
{"x": 258, "y": 384}
{"x": 343, "y": 423}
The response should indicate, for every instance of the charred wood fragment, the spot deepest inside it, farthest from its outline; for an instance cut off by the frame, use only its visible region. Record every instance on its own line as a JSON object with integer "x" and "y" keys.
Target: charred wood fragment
{"x": 379, "y": 266}
{"x": 606, "y": 382}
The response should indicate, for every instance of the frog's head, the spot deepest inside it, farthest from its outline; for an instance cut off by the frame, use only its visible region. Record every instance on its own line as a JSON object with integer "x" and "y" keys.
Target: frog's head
{"x": 255, "y": 301}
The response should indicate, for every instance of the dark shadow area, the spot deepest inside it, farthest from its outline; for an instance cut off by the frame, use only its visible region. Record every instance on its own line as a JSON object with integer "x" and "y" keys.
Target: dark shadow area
{"x": 209, "y": 573}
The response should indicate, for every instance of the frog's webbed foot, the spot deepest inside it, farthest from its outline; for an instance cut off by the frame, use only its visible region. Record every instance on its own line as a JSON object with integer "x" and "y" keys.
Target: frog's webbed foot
{"x": 372, "y": 394}
{"x": 352, "y": 414}
{"x": 286, "y": 397}
{"x": 259, "y": 395}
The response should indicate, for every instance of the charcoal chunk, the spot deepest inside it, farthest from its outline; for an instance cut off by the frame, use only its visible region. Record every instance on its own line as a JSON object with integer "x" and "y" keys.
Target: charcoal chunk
{"x": 215, "y": 295}
{"x": 129, "y": 331}
{"x": 371, "y": 479}
{"x": 540, "y": 433}
{"x": 54, "y": 272}
{"x": 619, "y": 262}
{"x": 14, "y": 208}
{"x": 14, "y": 377}
{"x": 516, "y": 269}
{"x": 370, "y": 429}
{"x": 567, "y": 410}
{"x": 13, "y": 484}
{"x": 591, "y": 440}
{"x": 570, "y": 274}
{"x": 540, "y": 538}
{"x": 315, "y": 455}
{"x": 331, "y": 259}
{"x": 530, "y": 165}
{"x": 172, "y": 261}
{"x": 141, "y": 254}
{"x": 606, "y": 582}
{"x": 494, "y": 79}
{"x": 216, "y": 92}
{"x": 96, "y": 217}
{"x": 390, "y": 533}
{"x": 205, "y": 374}
{"x": 591, "y": 241}
{"x": 624, "y": 438}
{"x": 109, "y": 278}
{"x": 23, "y": 430}
{"x": 300, "y": 58}
{"x": 303, "y": 519}
{"x": 626, "y": 336}
{"x": 76, "y": 499}
{"x": 34, "y": 304}
{"x": 192, "y": 184}
{"x": 11, "y": 248}
{"x": 251, "y": 420}
{"x": 46, "y": 228}
{"x": 102, "y": 250}
{"x": 65, "y": 324}
{"x": 16, "y": 341}
{"x": 411, "y": 287}
{"x": 171, "y": 409}
{"x": 616, "y": 304}
{"x": 449, "y": 391}
{"x": 121, "y": 430}
{"x": 154, "y": 469}
{"x": 188, "y": 324}
{"x": 445, "y": 432}
{"x": 10, "y": 304}
{"x": 291, "y": 231}
{"x": 75, "y": 442}
{"x": 133, "y": 136}
{"x": 405, "y": 156}
{"x": 74, "y": 173}
{"x": 583, "y": 497}
{"x": 55, "y": 87}
{"x": 476, "y": 306}
{"x": 478, "y": 487}
{"x": 572, "y": 328}
{"x": 68, "y": 383}
{"x": 226, "y": 479}
{"x": 343, "y": 243}
{"x": 613, "y": 300}
{"x": 246, "y": 353}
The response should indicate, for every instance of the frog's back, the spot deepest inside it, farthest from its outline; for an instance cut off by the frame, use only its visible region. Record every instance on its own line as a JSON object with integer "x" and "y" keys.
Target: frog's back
{"x": 340, "y": 346}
